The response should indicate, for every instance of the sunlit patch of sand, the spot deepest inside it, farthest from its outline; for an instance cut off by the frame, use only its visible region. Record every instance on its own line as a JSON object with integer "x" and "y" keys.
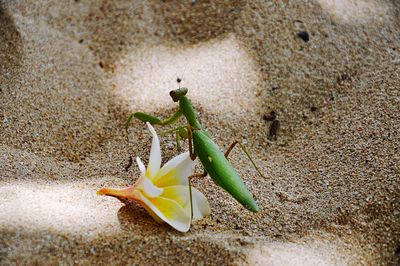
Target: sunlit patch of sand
{"x": 290, "y": 254}
{"x": 219, "y": 75}
{"x": 356, "y": 11}
{"x": 70, "y": 208}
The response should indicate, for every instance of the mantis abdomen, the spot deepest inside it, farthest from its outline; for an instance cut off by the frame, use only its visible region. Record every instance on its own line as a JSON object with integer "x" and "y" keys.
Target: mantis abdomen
{"x": 221, "y": 170}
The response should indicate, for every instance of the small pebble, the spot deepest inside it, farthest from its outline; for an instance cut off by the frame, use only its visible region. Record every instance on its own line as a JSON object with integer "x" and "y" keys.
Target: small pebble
{"x": 304, "y": 36}
{"x": 273, "y": 129}
{"x": 270, "y": 117}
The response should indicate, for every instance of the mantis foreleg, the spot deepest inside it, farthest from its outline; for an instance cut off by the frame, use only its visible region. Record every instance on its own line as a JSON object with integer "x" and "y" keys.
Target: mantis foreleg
{"x": 172, "y": 119}
{"x": 153, "y": 119}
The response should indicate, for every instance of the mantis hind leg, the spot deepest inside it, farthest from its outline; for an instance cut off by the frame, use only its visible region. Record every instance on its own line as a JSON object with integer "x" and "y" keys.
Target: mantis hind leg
{"x": 230, "y": 148}
{"x": 245, "y": 151}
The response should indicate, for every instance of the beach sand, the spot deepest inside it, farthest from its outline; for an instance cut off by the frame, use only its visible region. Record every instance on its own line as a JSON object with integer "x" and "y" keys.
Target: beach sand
{"x": 72, "y": 71}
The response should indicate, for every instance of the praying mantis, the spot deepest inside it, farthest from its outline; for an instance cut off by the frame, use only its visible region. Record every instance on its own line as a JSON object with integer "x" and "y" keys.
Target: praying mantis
{"x": 201, "y": 145}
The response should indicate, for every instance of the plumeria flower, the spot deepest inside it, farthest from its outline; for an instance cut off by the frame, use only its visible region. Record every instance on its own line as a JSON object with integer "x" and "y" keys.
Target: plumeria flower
{"x": 164, "y": 192}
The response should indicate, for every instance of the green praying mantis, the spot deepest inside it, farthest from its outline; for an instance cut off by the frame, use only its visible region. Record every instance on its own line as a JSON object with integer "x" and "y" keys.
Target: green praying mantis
{"x": 201, "y": 145}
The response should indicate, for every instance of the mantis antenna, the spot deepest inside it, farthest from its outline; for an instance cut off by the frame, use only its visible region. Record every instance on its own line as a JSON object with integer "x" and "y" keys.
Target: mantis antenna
{"x": 179, "y": 80}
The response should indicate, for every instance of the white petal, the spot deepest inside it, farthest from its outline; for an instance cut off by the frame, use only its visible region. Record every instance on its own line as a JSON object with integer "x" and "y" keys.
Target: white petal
{"x": 149, "y": 189}
{"x": 175, "y": 172}
{"x": 142, "y": 168}
{"x": 201, "y": 207}
{"x": 174, "y": 162}
{"x": 155, "y": 154}
{"x": 169, "y": 211}
{"x": 181, "y": 195}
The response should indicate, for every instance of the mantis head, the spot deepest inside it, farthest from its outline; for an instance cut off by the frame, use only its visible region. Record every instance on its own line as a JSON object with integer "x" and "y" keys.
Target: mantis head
{"x": 176, "y": 95}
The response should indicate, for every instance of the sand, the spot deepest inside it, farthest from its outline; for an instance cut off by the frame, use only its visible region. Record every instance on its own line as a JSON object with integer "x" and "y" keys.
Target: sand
{"x": 72, "y": 71}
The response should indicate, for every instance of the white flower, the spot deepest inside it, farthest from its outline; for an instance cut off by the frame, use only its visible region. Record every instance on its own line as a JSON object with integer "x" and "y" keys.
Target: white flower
{"x": 164, "y": 192}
